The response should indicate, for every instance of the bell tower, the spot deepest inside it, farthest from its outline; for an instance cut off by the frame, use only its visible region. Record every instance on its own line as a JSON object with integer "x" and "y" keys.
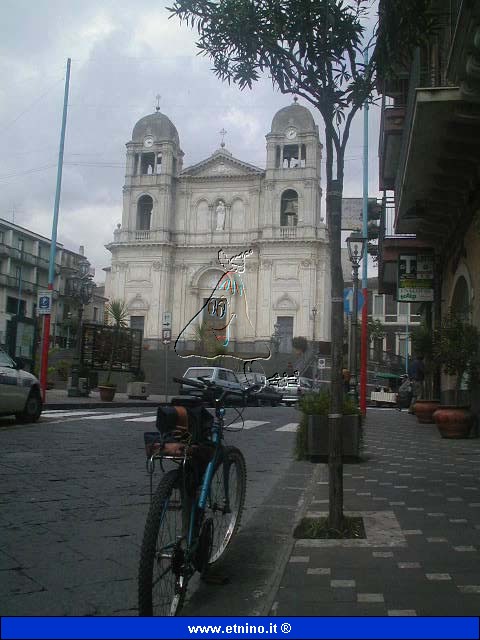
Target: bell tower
{"x": 294, "y": 155}
{"x": 154, "y": 161}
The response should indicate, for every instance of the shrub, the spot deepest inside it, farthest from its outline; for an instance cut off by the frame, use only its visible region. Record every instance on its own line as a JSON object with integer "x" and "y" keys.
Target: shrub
{"x": 300, "y": 343}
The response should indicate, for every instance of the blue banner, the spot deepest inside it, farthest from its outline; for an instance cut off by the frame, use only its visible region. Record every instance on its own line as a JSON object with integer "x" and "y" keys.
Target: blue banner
{"x": 238, "y": 627}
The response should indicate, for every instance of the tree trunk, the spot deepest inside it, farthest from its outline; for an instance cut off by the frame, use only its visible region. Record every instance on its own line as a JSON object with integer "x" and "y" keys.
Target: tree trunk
{"x": 335, "y": 465}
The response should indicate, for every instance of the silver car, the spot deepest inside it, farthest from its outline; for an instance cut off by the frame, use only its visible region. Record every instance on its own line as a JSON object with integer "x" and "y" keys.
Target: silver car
{"x": 293, "y": 388}
{"x": 19, "y": 391}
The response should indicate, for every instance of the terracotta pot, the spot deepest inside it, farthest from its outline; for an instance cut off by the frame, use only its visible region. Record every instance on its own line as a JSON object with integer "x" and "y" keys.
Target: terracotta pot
{"x": 107, "y": 393}
{"x": 424, "y": 410}
{"x": 453, "y": 422}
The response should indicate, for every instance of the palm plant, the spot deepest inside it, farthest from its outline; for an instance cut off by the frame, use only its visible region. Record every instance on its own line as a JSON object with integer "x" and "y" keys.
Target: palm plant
{"x": 117, "y": 314}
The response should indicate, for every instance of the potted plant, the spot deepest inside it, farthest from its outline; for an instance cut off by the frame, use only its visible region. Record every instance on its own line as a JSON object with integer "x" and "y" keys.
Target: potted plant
{"x": 457, "y": 348}
{"x": 137, "y": 388}
{"x": 313, "y": 433}
{"x": 117, "y": 313}
{"x": 423, "y": 344}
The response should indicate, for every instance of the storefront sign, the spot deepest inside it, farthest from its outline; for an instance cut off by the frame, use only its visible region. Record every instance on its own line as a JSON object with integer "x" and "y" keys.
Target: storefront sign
{"x": 415, "y": 277}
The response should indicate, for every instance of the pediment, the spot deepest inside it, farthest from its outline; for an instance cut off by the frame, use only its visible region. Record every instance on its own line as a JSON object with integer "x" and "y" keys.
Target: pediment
{"x": 221, "y": 164}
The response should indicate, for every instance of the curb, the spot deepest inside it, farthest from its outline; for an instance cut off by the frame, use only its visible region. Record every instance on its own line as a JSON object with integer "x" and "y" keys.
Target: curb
{"x": 98, "y": 405}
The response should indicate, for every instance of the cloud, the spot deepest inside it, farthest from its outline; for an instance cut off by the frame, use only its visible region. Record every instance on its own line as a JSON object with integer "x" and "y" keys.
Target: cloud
{"x": 123, "y": 54}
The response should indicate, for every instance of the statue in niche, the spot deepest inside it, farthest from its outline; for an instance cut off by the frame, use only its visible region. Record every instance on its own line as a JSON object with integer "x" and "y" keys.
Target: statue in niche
{"x": 220, "y": 212}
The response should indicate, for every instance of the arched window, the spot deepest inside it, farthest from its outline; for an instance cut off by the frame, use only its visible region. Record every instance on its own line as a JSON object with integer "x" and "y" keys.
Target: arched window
{"x": 289, "y": 208}
{"x": 144, "y": 212}
{"x": 461, "y": 299}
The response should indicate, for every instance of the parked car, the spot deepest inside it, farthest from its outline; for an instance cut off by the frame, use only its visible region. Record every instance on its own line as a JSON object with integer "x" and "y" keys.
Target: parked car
{"x": 266, "y": 395}
{"x": 19, "y": 391}
{"x": 293, "y": 388}
{"x": 222, "y": 377}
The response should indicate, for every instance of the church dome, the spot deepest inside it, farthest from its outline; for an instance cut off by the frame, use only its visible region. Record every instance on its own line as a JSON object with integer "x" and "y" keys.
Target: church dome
{"x": 157, "y": 125}
{"x": 295, "y": 115}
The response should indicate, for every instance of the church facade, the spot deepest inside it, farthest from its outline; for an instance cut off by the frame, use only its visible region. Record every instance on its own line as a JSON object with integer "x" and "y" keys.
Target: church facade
{"x": 175, "y": 221}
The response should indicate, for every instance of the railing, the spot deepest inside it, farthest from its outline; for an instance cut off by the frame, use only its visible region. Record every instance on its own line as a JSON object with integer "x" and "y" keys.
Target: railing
{"x": 288, "y": 232}
{"x": 23, "y": 256}
{"x": 14, "y": 283}
{"x": 142, "y": 234}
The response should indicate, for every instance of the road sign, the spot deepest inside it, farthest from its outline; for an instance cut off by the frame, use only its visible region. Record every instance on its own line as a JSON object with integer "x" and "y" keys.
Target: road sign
{"x": 44, "y": 302}
{"x": 166, "y": 336}
{"x": 348, "y": 300}
{"x": 321, "y": 363}
{"x": 167, "y": 320}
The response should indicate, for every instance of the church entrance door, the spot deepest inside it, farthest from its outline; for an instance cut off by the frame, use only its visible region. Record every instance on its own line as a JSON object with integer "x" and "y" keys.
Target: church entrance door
{"x": 285, "y": 331}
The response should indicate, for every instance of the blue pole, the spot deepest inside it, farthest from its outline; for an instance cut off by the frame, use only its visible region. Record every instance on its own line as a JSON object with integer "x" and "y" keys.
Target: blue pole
{"x": 364, "y": 337}
{"x": 53, "y": 245}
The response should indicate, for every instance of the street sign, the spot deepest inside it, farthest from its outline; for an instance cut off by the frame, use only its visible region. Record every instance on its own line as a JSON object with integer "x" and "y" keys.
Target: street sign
{"x": 167, "y": 320}
{"x": 166, "y": 336}
{"x": 321, "y": 363}
{"x": 44, "y": 302}
{"x": 348, "y": 300}
{"x": 415, "y": 278}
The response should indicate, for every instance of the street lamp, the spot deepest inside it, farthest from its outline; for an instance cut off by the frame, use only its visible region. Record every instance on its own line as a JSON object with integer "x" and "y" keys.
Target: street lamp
{"x": 356, "y": 247}
{"x": 276, "y": 338}
{"x": 81, "y": 287}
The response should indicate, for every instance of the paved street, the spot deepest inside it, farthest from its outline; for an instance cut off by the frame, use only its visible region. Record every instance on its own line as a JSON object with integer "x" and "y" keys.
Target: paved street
{"x": 74, "y": 497}
{"x": 419, "y": 496}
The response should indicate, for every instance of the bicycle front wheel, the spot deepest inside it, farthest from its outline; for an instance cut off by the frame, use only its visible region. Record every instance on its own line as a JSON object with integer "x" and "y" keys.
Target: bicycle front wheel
{"x": 226, "y": 500}
{"x": 161, "y": 590}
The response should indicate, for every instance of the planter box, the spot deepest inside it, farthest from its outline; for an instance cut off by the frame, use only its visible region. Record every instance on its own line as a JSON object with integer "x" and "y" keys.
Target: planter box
{"x": 138, "y": 390}
{"x": 317, "y": 436}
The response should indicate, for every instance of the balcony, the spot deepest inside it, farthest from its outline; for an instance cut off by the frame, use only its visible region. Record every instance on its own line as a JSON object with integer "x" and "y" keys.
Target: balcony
{"x": 124, "y": 236}
{"x": 439, "y": 158}
{"x": 391, "y": 128}
{"x": 11, "y": 282}
{"x": 22, "y": 256}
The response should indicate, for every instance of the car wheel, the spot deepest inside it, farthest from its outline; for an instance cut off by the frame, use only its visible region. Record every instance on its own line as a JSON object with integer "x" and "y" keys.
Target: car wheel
{"x": 274, "y": 403}
{"x": 33, "y": 408}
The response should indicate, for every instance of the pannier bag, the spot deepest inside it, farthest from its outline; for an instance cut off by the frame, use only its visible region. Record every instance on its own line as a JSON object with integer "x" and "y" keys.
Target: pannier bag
{"x": 179, "y": 425}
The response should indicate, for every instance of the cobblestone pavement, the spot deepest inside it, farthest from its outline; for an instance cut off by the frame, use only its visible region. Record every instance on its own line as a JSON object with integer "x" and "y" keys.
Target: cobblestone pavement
{"x": 419, "y": 496}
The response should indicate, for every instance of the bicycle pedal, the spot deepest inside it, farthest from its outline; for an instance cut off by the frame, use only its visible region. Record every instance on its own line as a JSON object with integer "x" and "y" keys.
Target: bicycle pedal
{"x": 215, "y": 578}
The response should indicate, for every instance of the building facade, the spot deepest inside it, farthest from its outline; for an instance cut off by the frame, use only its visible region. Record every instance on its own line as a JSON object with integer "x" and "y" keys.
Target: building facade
{"x": 24, "y": 264}
{"x": 175, "y": 221}
{"x": 429, "y": 162}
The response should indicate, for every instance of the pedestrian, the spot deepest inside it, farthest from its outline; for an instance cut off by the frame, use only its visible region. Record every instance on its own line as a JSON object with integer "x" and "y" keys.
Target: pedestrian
{"x": 404, "y": 395}
{"x": 346, "y": 375}
{"x": 289, "y": 369}
{"x": 416, "y": 373}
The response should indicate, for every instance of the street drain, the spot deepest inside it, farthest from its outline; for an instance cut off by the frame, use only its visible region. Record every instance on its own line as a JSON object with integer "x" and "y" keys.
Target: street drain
{"x": 317, "y": 528}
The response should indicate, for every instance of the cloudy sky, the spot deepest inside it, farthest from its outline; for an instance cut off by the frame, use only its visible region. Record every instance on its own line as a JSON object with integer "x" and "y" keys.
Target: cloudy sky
{"x": 123, "y": 55}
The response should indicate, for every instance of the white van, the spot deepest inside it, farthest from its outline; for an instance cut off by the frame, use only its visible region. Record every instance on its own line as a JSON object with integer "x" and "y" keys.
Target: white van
{"x": 19, "y": 391}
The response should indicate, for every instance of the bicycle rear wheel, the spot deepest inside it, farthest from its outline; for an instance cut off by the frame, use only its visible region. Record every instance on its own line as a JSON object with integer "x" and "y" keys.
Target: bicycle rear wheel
{"x": 229, "y": 480}
{"x": 161, "y": 588}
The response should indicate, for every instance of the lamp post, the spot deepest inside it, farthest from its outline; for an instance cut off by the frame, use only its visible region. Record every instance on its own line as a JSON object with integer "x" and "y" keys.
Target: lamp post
{"x": 69, "y": 319}
{"x": 355, "y": 244}
{"x": 81, "y": 287}
{"x": 314, "y": 316}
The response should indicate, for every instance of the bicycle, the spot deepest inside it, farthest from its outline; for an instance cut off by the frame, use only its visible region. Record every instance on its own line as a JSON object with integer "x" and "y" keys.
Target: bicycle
{"x": 196, "y": 508}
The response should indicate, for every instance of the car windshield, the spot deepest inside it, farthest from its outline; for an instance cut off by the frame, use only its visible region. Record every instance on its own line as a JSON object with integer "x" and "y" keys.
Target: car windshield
{"x": 6, "y": 361}
{"x": 199, "y": 372}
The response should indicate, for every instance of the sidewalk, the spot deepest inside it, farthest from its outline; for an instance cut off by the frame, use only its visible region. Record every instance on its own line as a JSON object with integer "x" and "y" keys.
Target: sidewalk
{"x": 58, "y": 399}
{"x": 419, "y": 496}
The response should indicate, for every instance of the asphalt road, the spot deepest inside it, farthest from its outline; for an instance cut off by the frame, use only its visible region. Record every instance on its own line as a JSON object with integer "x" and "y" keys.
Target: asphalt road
{"x": 74, "y": 495}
